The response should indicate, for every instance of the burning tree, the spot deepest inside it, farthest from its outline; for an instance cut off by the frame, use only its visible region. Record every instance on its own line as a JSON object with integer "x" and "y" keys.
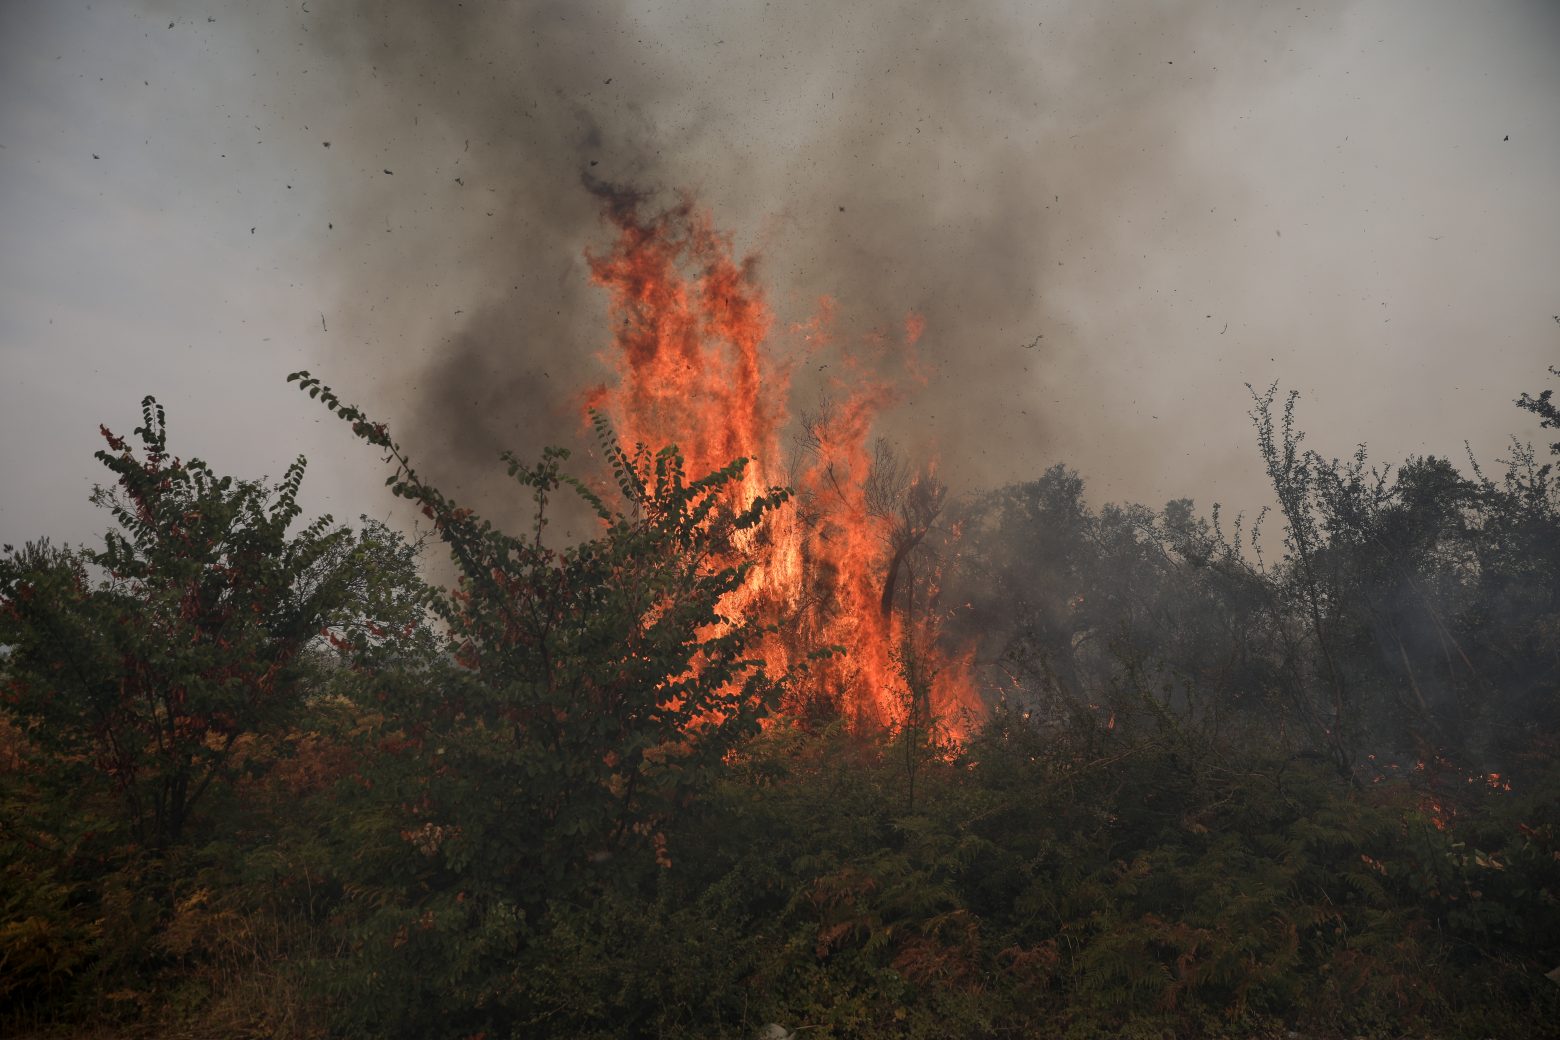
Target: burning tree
{"x": 690, "y": 328}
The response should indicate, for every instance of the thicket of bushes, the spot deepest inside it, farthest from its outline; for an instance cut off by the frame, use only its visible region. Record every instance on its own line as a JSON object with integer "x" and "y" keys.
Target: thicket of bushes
{"x": 263, "y": 782}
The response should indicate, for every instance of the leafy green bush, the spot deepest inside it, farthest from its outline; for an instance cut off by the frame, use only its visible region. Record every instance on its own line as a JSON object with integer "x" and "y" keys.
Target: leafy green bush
{"x": 258, "y": 783}
{"x": 584, "y": 696}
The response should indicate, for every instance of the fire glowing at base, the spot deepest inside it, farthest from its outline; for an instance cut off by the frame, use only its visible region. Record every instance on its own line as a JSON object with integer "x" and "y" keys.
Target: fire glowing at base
{"x": 689, "y": 349}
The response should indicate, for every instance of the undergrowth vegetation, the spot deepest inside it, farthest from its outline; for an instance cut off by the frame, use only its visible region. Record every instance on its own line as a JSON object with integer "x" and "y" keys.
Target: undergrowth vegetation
{"x": 1238, "y": 778}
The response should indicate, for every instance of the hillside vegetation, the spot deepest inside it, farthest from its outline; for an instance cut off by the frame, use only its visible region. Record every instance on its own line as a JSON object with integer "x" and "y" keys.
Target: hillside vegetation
{"x": 1239, "y": 776}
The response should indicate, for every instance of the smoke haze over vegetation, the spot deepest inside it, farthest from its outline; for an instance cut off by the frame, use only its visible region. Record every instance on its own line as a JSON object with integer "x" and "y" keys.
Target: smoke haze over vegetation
{"x": 906, "y": 681}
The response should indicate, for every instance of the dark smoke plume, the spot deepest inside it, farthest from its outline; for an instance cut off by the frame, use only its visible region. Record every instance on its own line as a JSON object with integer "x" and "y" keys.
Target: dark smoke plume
{"x": 956, "y": 161}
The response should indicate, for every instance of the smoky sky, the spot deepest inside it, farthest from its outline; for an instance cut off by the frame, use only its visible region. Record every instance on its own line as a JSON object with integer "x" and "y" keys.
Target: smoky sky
{"x": 1087, "y": 203}
{"x": 1112, "y": 217}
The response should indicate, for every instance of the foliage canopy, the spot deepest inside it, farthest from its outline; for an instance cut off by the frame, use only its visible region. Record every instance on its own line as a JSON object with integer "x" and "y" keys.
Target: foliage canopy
{"x": 270, "y": 782}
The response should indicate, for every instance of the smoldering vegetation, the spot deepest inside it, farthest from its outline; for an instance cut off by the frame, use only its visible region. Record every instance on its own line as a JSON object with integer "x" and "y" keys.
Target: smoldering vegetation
{"x": 1409, "y": 603}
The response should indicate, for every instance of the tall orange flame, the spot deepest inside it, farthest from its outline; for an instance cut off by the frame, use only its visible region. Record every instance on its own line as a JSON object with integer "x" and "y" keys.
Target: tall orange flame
{"x": 690, "y": 328}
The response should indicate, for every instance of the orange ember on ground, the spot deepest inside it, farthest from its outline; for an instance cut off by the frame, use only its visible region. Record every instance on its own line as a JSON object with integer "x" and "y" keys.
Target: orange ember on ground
{"x": 689, "y": 349}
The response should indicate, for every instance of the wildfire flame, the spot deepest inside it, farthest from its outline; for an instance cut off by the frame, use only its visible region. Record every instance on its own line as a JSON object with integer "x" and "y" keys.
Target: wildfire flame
{"x": 690, "y": 332}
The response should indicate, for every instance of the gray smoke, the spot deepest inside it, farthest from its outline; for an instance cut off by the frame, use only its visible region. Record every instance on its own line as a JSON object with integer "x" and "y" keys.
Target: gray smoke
{"x": 1063, "y": 190}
